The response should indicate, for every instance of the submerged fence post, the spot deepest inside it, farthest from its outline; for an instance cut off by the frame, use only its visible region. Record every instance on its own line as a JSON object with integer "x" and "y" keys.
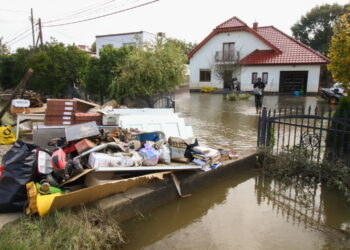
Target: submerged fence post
{"x": 262, "y": 139}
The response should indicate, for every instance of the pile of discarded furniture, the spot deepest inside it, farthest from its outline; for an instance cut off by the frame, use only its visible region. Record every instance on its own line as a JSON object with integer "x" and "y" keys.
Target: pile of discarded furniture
{"x": 130, "y": 146}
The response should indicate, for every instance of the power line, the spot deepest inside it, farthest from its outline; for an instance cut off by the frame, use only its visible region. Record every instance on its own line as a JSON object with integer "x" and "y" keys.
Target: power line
{"x": 20, "y": 39}
{"x": 22, "y": 11}
{"x": 85, "y": 9}
{"x": 92, "y": 11}
{"x": 105, "y": 15}
{"x": 19, "y": 35}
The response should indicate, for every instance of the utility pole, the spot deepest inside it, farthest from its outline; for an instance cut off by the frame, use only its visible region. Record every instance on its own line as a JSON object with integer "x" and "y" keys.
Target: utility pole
{"x": 40, "y": 33}
{"x": 32, "y": 20}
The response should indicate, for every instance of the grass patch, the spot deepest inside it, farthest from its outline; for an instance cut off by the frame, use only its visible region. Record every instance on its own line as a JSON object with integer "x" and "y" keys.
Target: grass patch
{"x": 236, "y": 97}
{"x": 77, "y": 228}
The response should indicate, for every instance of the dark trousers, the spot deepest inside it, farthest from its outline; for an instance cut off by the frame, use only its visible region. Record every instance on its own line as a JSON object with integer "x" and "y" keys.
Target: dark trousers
{"x": 258, "y": 100}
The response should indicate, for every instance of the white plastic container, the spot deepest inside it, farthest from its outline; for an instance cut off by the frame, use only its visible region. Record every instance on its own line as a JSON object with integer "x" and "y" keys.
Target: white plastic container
{"x": 20, "y": 103}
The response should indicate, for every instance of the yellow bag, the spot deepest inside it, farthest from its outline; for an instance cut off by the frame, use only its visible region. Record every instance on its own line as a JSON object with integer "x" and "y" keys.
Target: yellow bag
{"x": 6, "y": 135}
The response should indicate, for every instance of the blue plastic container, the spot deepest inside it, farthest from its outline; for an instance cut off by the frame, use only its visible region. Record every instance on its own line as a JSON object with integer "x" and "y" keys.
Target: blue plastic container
{"x": 297, "y": 93}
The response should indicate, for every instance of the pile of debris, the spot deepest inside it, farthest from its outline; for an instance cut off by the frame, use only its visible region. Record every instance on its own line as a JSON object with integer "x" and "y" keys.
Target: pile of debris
{"x": 103, "y": 139}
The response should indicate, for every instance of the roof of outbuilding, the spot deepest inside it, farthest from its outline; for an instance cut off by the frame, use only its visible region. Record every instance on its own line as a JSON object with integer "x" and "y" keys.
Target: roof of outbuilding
{"x": 284, "y": 49}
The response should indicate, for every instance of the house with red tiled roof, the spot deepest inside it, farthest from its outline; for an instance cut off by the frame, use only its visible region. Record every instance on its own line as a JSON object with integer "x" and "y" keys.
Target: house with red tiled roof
{"x": 285, "y": 64}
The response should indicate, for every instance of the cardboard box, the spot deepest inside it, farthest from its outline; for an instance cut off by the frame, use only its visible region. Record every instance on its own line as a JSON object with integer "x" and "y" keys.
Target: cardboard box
{"x": 15, "y": 110}
{"x": 98, "y": 178}
{"x": 94, "y": 193}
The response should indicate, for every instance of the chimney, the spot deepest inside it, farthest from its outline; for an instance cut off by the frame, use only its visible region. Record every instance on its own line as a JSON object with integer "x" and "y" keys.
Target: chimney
{"x": 255, "y": 26}
{"x": 161, "y": 34}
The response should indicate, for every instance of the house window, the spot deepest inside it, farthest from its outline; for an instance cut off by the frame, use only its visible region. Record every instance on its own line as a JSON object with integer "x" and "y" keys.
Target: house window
{"x": 228, "y": 51}
{"x": 254, "y": 77}
{"x": 204, "y": 75}
{"x": 265, "y": 77}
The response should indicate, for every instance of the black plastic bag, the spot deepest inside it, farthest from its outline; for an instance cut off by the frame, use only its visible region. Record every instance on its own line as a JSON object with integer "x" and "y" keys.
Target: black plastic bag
{"x": 189, "y": 150}
{"x": 19, "y": 168}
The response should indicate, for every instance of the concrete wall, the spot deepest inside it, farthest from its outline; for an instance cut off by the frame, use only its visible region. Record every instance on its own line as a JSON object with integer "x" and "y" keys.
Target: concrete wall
{"x": 119, "y": 40}
{"x": 245, "y": 43}
{"x": 274, "y": 76}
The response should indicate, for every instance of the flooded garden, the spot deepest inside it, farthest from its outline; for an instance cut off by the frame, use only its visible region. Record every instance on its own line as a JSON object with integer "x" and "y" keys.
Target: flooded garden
{"x": 245, "y": 210}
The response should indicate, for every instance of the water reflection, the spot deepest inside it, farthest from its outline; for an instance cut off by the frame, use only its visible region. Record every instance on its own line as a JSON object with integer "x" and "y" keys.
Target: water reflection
{"x": 181, "y": 213}
{"x": 311, "y": 205}
{"x": 247, "y": 211}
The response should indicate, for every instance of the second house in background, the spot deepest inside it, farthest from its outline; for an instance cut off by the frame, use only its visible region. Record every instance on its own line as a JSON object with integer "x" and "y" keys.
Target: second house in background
{"x": 235, "y": 50}
{"x": 124, "y": 39}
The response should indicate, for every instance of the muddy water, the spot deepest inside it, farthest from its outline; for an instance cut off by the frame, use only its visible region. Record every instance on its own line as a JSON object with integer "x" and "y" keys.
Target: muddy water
{"x": 243, "y": 211}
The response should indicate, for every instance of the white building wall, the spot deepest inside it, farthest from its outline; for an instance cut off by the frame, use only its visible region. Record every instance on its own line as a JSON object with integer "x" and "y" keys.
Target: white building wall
{"x": 245, "y": 43}
{"x": 148, "y": 37}
{"x": 274, "y": 76}
{"x": 119, "y": 40}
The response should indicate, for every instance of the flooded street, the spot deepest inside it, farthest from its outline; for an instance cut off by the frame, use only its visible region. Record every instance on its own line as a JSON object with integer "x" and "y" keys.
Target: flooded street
{"x": 245, "y": 210}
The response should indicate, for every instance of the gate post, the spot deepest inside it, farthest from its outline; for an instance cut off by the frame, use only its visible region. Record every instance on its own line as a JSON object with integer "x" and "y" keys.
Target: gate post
{"x": 263, "y": 127}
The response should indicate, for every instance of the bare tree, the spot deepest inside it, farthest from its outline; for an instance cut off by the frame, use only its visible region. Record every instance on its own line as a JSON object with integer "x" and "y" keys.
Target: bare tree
{"x": 226, "y": 66}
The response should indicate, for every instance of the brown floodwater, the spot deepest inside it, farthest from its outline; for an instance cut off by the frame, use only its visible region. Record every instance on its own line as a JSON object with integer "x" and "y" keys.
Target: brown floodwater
{"x": 245, "y": 210}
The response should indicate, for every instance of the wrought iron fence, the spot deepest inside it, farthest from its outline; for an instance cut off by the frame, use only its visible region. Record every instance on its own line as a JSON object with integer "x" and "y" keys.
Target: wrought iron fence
{"x": 323, "y": 132}
{"x": 165, "y": 100}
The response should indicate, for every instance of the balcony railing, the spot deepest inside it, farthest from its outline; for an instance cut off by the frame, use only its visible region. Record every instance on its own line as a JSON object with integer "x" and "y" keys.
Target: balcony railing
{"x": 225, "y": 56}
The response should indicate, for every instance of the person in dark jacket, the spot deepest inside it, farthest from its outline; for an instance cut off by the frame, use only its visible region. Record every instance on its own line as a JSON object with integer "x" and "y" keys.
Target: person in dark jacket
{"x": 259, "y": 94}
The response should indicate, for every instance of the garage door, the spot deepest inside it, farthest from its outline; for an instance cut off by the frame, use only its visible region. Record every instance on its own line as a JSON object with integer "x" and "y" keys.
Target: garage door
{"x": 292, "y": 81}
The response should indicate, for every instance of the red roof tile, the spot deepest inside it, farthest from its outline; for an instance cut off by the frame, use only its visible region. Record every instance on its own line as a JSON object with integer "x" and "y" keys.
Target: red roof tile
{"x": 231, "y": 23}
{"x": 284, "y": 49}
{"x": 293, "y": 51}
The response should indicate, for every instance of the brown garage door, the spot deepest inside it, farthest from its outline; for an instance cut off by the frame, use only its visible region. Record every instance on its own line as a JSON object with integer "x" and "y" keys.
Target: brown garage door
{"x": 292, "y": 81}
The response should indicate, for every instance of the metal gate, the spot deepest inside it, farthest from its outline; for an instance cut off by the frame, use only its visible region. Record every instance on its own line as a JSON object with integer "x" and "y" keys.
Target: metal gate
{"x": 323, "y": 132}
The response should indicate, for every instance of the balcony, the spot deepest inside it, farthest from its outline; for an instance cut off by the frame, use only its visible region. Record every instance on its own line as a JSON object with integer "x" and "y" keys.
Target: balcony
{"x": 228, "y": 56}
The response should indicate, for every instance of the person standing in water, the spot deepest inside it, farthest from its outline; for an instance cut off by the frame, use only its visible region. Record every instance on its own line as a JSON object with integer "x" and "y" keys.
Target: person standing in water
{"x": 258, "y": 93}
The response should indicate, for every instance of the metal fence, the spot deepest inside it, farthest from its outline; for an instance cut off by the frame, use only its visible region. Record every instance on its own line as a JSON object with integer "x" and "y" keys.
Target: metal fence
{"x": 323, "y": 132}
{"x": 163, "y": 101}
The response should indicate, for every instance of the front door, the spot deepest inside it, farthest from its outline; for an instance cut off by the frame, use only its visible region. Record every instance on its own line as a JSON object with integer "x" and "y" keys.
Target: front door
{"x": 291, "y": 81}
{"x": 227, "y": 79}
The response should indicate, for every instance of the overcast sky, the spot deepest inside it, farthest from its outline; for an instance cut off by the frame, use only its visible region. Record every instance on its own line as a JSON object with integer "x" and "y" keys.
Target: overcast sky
{"x": 189, "y": 20}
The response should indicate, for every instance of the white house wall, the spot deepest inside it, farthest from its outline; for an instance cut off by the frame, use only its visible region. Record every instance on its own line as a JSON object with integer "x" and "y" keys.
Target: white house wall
{"x": 274, "y": 76}
{"x": 245, "y": 43}
{"x": 119, "y": 40}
